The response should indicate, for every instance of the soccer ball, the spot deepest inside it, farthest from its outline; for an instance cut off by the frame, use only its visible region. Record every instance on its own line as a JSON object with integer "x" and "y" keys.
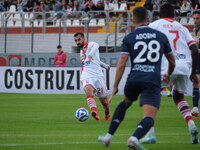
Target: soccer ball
{"x": 82, "y": 114}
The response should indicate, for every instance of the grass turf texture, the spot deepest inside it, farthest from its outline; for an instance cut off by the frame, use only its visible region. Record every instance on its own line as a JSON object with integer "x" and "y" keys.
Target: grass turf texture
{"x": 47, "y": 122}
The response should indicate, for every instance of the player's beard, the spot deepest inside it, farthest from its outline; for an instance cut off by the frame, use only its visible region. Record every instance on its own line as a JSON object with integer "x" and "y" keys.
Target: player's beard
{"x": 81, "y": 45}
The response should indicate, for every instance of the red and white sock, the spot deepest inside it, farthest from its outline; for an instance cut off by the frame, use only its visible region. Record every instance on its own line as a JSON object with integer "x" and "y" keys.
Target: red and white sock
{"x": 185, "y": 111}
{"x": 91, "y": 102}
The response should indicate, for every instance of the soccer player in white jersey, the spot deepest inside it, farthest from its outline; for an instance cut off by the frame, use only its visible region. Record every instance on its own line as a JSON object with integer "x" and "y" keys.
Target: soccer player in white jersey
{"x": 186, "y": 55}
{"x": 92, "y": 77}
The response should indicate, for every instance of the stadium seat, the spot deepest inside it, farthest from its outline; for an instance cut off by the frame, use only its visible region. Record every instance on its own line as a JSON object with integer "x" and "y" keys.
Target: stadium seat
{"x": 18, "y": 23}
{"x": 10, "y": 23}
{"x": 12, "y": 8}
{"x": 101, "y": 22}
{"x": 183, "y": 21}
{"x": 122, "y": 6}
{"x": 93, "y": 22}
{"x": 116, "y": 6}
{"x": 27, "y": 24}
{"x": 28, "y": 15}
{"x": 68, "y": 22}
{"x": 191, "y": 21}
{"x": 17, "y": 16}
{"x": 57, "y": 23}
{"x": 39, "y": 23}
{"x": 76, "y": 22}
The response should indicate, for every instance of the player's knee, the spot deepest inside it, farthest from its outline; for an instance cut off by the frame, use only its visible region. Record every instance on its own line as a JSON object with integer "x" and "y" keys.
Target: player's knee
{"x": 104, "y": 102}
{"x": 196, "y": 85}
{"x": 88, "y": 90}
{"x": 127, "y": 102}
{"x": 177, "y": 96}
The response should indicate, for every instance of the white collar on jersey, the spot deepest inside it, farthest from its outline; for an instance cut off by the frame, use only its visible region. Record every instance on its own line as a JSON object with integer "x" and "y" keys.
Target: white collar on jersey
{"x": 141, "y": 27}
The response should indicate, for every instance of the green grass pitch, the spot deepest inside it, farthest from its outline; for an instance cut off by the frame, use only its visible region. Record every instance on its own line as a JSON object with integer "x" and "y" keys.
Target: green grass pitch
{"x": 47, "y": 122}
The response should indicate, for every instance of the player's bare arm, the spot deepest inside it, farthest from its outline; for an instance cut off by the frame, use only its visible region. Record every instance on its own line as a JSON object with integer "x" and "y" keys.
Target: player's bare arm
{"x": 194, "y": 52}
{"x": 171, "y": 60}
{"x": 120, "y": 70}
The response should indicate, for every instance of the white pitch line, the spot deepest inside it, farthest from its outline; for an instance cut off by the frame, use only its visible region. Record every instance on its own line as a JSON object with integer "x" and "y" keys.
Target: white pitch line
{"x": 81, "y": 135}
{"x": 77, "y": 143}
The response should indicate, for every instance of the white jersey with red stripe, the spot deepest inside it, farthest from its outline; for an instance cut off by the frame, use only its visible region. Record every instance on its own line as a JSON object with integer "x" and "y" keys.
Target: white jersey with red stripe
{"x": 93, "y": 68}
{"x": 180, "y": 39}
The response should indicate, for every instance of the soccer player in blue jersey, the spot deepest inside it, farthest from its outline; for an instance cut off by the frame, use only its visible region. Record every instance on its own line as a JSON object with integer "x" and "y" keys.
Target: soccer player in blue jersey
{"x": 186, "y": 57}
{"x": 145, "y": 46}
{"x": 196, "y": 36}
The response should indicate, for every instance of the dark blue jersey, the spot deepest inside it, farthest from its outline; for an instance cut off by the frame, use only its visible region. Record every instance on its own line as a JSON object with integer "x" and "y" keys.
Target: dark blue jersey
{"x": 145, "y": 47}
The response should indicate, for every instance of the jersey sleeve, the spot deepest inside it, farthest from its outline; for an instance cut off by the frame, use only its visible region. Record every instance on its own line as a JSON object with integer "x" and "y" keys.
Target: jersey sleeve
{"x": 64, "y": 57}
{"x": 153, "y": 25}
{"x": 125, "y": 48}
{"x": 167, "y": 47}
{"x": 189, "y": 39}
{"x": 55, "y": 59}
{"x": 94, "y": 47}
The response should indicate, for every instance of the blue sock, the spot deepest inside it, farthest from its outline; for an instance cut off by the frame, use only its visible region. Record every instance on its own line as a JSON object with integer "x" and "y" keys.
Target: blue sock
{"x": 118, "y": 117}
{"x": 195, "y": 97}
{"x": 143, "y": 127}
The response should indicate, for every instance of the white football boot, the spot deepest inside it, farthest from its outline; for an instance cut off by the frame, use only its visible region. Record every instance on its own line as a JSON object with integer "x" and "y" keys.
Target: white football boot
{"x": 149, "y": 138}
{"x": 133, "y": 143}
{"x": 195, "y": 112}
{"x": 194, "y": 134}
{"x": 105, "y": 139}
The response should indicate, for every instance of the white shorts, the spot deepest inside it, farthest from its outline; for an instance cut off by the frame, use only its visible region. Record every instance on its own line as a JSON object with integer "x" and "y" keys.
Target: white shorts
{"x": 180, "y": 83}
{"x": 99, "y": 85}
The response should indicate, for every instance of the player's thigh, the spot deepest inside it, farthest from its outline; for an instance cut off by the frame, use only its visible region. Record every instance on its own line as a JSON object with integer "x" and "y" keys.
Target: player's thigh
{"x": 180, "y": 83}
{"x": 198, "y": 85}
{"x": 88, "y": 86}
{"x": 101, "y": 90}
{"x": 132, "y": 91}
{"x": 150, "y": 95}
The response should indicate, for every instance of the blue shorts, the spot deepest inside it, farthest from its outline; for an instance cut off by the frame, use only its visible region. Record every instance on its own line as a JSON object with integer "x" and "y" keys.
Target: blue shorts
{"x": 150, "y": 93}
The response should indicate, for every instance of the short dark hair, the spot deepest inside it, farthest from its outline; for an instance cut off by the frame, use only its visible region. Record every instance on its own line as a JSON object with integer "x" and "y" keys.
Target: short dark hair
{"x": 79, "y": 33}
{"x": 140, "y": 14}
{"x": 167, "y": 10}
{"x": 196, "y": 12}
{"x": 59, "y": 46}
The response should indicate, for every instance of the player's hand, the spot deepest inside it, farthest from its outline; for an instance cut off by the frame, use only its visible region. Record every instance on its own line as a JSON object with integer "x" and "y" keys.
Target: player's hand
{"x": 108, "y": 68}
{"x": 114, "y": 91}
{"x": 90, "y": 57}
{"x": 166, "y": 78}
{"x": 194, "y": 79}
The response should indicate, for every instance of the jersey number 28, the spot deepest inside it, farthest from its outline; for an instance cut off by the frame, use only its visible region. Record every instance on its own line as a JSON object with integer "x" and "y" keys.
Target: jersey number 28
{"x": 149, "y": 49}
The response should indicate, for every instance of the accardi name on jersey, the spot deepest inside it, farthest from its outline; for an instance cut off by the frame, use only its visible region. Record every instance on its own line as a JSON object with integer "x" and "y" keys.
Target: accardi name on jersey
{"x": 145, "y": 36}
{"x": 143, "y": 68}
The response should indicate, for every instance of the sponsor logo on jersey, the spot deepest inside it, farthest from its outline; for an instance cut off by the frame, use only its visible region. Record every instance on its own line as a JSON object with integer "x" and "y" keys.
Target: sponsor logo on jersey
{"x": 143, "y": 68}
{"x": 83, "y": 56}
{"x": 179, "y": 56}
{"x": 86, "y": 63}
